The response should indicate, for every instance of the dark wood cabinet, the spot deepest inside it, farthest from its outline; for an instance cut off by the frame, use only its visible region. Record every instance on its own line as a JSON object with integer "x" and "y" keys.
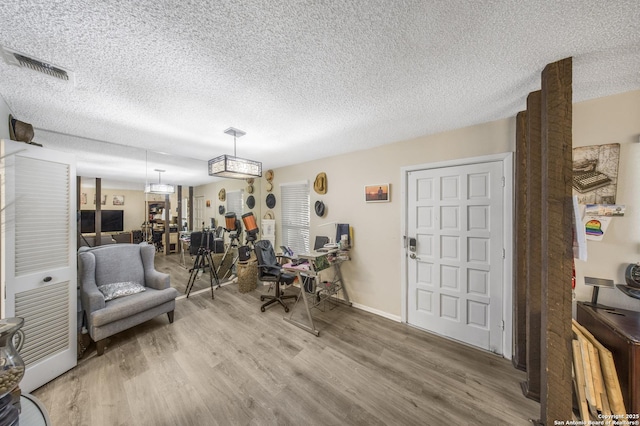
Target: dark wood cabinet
{"x": 619, "y": 331}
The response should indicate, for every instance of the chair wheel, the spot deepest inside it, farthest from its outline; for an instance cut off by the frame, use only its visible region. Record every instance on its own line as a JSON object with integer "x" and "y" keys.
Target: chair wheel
{"x": 286, "y": 309}
{"x": 262, "y": 308}
{"x": 262, "y": 298}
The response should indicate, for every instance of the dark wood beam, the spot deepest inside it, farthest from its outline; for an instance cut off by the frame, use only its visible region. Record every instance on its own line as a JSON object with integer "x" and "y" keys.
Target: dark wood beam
{"x": 520, "y": 243}
{"x": 556, "y": 350}
{"x": 98, "y": 222}
{"x": 531, "y": 388}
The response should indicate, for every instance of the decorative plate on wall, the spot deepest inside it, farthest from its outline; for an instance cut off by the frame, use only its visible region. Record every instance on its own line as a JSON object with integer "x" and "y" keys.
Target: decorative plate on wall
{"x": 271, "y": 201}
{"x": 251, "y": 202}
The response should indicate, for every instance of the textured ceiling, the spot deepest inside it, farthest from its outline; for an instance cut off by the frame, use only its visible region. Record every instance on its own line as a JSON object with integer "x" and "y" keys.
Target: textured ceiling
{"x": 304, "y": 79}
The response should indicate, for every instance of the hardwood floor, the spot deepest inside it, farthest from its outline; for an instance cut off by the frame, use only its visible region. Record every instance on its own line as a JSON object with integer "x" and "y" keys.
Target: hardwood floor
{"x": 223, "y": 362}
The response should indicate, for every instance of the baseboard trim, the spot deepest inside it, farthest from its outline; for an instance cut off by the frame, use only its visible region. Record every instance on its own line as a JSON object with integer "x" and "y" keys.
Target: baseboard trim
{"x": 383, "y": 314}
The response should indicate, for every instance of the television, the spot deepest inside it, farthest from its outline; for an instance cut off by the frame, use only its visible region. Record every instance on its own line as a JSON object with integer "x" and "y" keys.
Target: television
{"x": 112, "y": 221}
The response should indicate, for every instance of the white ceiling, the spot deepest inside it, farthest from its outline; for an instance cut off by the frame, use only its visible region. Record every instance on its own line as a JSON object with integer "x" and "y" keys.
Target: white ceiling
{"x": 304, "y": 79}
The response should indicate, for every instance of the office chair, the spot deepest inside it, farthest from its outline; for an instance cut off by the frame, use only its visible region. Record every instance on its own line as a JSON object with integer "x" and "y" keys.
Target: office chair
{"x": 156, "y": 239}
{"x": 270, "y": 270}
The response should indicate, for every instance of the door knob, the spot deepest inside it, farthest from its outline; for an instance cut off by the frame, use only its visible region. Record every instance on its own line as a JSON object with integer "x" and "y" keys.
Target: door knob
{"x": 413, "y": 256}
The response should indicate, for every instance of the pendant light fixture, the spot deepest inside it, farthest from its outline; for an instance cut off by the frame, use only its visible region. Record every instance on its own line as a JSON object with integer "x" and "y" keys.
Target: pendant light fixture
{"x": 234, "y": 167}
{"x": 159, "y": 188}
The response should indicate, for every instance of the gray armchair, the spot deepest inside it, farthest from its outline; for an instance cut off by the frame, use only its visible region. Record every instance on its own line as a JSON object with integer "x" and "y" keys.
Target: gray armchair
{"x": 118, "y": 263}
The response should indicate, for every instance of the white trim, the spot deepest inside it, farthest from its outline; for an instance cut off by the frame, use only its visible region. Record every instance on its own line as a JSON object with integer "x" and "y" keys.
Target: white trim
{"x": 507, "y": 162}
{"x": 378, "y": 312}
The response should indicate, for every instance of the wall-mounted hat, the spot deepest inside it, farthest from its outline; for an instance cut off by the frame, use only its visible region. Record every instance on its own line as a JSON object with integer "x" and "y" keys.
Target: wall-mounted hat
{"x": 320, "y": 184}
{"x": 269, "y": 175}
{"x": 269, "y": 187}
{"x": 250, "y": 189}
{"x": 271, "y": 201}
{"x": 251, "y": 202}
{"x": 319, "y": 207}
{"x": 221, "y": 209}
{"x": 222, "y": 195}
{"x": 19, "y": 130}
{"x": 269, "y": 215}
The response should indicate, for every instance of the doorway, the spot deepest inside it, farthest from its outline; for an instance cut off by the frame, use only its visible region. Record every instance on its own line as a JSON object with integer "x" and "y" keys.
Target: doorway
{"x": 457, "y": 256}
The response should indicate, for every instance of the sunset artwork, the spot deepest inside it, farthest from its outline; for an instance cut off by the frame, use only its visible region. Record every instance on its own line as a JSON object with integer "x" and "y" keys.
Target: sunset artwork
{"x": 376, "y": 193}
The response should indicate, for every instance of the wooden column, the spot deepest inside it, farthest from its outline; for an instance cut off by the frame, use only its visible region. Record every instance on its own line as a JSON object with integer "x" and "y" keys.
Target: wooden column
{"x": 520, "y": 234}
{"x": 191, "y": 208}
{"x": 556, "y": 350}
{"x": 179, "y": 196}
{"x": 98, "y": 223}
{"x": 531, "y": 388}
{"x": 167, "y": 224}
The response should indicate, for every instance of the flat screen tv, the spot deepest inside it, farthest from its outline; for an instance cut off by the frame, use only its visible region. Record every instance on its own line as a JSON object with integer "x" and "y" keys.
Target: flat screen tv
{"x": 112, "y": 221}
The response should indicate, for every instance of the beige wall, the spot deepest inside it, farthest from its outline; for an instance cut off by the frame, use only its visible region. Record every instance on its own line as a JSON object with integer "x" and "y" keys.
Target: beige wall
{"x": 134, "y": 203}
{"x": 373, "y": 276}
{"x": 614, "y": 119}
{"x": 210, "y": 192}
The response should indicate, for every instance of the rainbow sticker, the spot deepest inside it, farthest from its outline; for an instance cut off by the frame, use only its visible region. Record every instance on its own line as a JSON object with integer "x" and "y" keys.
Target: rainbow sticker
{"x": 594, "y": 227}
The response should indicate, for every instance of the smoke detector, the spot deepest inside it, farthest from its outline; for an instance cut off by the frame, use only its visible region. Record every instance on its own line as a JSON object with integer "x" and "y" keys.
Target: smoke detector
{"x": 13, "y": 57}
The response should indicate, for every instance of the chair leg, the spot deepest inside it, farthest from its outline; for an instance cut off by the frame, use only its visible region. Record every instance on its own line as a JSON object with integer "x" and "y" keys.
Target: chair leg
{"x": 278, "y": 298}
{"x": 100, "y": 345}
{"x": 170, "y": 315}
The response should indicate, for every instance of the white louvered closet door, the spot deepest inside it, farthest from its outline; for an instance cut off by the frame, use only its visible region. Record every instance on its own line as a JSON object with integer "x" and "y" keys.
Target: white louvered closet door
{"x": 39, "y": 257}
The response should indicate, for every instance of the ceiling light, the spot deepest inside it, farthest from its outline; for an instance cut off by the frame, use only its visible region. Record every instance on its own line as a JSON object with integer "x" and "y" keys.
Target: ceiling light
{"x": 159, "y": 188}
{"x": 234, "y": 167}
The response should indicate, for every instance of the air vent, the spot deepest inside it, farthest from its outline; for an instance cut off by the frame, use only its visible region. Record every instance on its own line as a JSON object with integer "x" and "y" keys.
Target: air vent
{"x": 19, "y": 59}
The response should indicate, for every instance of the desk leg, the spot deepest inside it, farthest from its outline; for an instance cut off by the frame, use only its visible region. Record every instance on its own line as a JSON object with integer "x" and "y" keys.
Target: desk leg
{"x": 338, "y": 274}
{"x": 303, "y": 295}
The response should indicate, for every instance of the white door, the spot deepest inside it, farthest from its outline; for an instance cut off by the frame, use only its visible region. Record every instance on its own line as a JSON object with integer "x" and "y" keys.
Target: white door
{"x": 38, "y": 261}
{"x": 198, "y": 214}
{"x": 455, "y": 274}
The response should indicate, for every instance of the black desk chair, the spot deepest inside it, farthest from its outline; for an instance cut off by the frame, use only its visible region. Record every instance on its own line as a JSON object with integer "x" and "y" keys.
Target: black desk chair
{"x": 270, "y": 270}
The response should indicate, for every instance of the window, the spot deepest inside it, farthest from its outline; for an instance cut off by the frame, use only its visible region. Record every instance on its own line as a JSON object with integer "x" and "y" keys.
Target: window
{"x": 235, "y": 203}
{"x": 295, "y": 216}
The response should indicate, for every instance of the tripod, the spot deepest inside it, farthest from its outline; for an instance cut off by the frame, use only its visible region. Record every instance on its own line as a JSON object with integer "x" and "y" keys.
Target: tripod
{"x": 233, "y": 243}
{"x": 203, "y": 261}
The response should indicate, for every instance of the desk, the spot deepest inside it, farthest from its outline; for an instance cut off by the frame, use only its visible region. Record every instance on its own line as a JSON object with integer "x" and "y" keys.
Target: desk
{"x": 317, "y": 262}
{"x": 619, "y": 331}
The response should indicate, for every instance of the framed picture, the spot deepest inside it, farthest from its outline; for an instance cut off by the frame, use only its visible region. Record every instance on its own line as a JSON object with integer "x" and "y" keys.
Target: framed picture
{"x": 83, "y": 198}
{"x": 208, "y": 203}
{"x": 379, "y": 193}
{"x": 118, "y": 200}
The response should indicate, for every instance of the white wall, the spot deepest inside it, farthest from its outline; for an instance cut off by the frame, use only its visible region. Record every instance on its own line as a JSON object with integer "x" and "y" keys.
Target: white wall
{"x": 4, "y": 119}
{"x": 614, "y": 119}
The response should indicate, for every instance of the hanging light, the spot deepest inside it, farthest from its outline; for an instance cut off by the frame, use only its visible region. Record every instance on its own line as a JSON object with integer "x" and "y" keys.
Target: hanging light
{"x": 232, "y": 166}
{"x": 159, "y": 188}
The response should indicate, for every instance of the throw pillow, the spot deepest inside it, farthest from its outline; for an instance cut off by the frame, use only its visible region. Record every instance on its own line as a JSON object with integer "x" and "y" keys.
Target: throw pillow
{"x": 115, "y": 290}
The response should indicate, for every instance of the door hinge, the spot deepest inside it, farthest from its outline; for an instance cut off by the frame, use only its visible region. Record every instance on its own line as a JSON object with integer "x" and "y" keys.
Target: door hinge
{"x": 503, "y": 181}
{"x": 502, "y": 325}
{"x": 504, "y": 254}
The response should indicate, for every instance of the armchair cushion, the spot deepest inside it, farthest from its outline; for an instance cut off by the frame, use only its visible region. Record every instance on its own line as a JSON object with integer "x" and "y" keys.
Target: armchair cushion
{"x": 115, "y": 290}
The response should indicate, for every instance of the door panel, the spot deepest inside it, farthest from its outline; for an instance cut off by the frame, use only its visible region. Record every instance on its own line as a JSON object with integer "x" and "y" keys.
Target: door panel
{"x": 38, "y": 262}
{"x": 455, "y": 277}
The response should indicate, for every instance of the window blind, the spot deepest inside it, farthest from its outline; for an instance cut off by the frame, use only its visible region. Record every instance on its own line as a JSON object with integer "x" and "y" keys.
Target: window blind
{"x": 234, "y": 203}
{"x": 295, "y": 216}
